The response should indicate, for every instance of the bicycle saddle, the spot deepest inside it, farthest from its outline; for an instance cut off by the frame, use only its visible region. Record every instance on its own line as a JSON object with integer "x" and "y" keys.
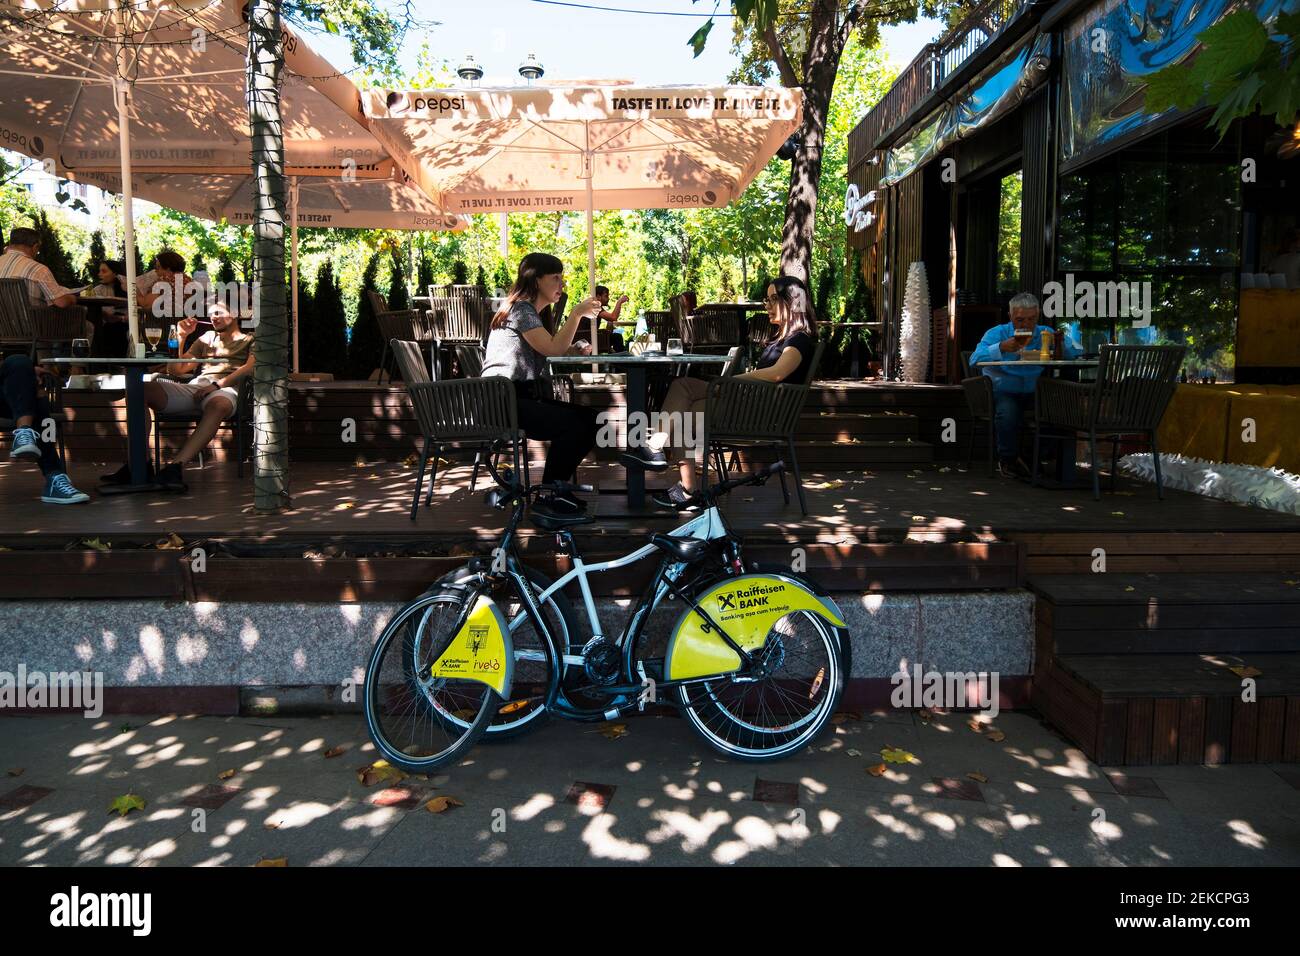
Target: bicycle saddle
{"x": 682, "y": 550}
{"x": 549, "y": 521}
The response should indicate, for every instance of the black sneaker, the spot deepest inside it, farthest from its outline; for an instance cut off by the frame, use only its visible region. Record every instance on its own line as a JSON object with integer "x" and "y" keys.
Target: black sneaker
{"x": 170, "y": 478}
{"x": 646, "y": 458}
{"x": 567, "y": 500}
{"x": 677, "y": 498}
{"x": 123, "y": 475}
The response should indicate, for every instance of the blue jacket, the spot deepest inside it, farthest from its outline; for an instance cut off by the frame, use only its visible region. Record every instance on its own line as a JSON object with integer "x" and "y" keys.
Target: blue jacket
{"x": 1011, "y": 378}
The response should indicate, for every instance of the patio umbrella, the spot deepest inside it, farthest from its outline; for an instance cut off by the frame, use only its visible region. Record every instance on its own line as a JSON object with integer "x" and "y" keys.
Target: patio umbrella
{"x": 320, "y": 202}
{"x": 571, "y": 147}
{"x": 151, "y": 86}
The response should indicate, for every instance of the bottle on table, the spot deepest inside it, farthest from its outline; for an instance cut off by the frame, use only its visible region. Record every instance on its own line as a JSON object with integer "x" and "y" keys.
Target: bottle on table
{"x": 173, "y": 342}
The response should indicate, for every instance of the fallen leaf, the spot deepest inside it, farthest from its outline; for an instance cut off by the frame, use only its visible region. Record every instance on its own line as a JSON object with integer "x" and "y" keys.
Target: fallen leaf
{"x": 612, "y": 731}
{"x": 844, "y": 716}
{"x": 442, "y": 804}
{"x": 975, "y": 725}
{"x": 3, "y": 548}
{"x": 877, "y": 771}
{"x": 854, "y": 753}
{"x": 464, "y": 714}
{"x": 895, "y": 755}
{"x": 273, "y": 861}
{"x": 16, "y": 771}
{"x": 173, "y": 542}
{"x": 978, "y": 777}
{"x": 97, "y": 544}
{"x": 918, "y": 518}
{"x": 925, "y": 713}
{"x": 345, "y": 506}
{"x": 272, "y": 824}
{"x": 828, "y": 485}
{"x": 1129, "y": 587}
{"x": 411, "y": 460}
{"x": 334, "y": 752}
{"x": 996, "y": 736}
{"x": 381, "y": 771}
{"x": 225, "y": 775}
{"x": 124, "y": 729}
{"x": 1118, "y": 514}
{"x": 125, "y": 804}
{"x": 1245, "y": 670}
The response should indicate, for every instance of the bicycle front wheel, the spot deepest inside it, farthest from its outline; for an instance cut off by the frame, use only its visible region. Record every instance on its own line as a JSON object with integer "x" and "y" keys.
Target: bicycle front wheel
{"x": 407, "y": 708}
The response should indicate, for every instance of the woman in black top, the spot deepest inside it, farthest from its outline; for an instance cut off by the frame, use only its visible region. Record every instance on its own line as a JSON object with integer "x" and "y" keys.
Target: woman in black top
{"x": 787, "y": 358}
{"x": 111, "y": 338}
{"x": 517, "y": 348}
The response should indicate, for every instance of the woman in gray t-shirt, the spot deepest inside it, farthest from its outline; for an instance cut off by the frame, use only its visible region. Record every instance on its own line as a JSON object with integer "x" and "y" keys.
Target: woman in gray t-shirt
{"x": 518, "y": 347}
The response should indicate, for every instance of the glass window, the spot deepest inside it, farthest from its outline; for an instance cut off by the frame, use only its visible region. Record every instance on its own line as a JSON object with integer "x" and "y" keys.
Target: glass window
{"x": 1009, "y": 226}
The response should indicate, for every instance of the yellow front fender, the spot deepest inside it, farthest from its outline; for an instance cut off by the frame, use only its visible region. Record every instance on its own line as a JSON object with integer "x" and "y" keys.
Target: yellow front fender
{"x": 481, "y": 650}
{"x": 747, "y": 607}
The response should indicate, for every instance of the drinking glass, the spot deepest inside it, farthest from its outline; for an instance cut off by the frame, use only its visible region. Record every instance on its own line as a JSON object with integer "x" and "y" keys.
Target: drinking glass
{"x": 153, "y": 335}
{"x": 81, "y": 348}
{"x": 674, "y": 346}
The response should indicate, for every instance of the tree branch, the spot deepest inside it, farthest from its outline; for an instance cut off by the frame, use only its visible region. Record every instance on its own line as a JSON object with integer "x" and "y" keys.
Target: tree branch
{"x": 850, "y": 20}
{"x": 778, "y": 56}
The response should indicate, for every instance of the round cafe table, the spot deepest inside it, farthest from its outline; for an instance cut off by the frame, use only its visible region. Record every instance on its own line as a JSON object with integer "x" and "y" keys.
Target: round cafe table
{"x": 137, "y": 423}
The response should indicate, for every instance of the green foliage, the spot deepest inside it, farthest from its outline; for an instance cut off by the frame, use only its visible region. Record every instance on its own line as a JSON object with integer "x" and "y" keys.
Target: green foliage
{"x": 95, "y": 257}
{"x": 480, "y": 279}
{"x": 502, "y": 277}
{"x": 225, "y": 271}
{"x": 1241, "y": 66}
{"x": 374, "y": 35}
{"x": 424, "y": 276}
{"x": 198, "y": 264}
{"x": 366, "y": 345}
{"x": 323, "y": 344}
{"x": 859, "y": 307}
{"x": 52, "y": 253}
{"x": 459, "y": 273}
{"x": 398, "y": 297}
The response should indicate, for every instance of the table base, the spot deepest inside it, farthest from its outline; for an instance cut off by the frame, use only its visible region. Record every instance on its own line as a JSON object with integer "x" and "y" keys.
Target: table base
{"x": 128, "y": 489}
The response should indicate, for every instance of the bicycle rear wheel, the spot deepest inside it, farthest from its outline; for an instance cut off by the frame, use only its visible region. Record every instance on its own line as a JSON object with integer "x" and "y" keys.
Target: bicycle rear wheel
{"x": 770, "y": 717}
{"x": 406, "y": 707}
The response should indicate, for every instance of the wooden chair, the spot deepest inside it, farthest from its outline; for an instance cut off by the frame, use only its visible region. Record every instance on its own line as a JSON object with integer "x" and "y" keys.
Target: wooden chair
{"x": 661, "y": 326}
{"x": 1133, "y": 387}
{"x": 710, "y": 331}
{"x": 406, "y": 325}
{"x": 455, "y": 320}
{"x": 54, "y": 394}
{"x": 28, "y": 327}
{"x": 243, "y": 416}
{"x": 464, "y": 291}
{"x": 459, "y": 416}
{"x": 745, "y": 413}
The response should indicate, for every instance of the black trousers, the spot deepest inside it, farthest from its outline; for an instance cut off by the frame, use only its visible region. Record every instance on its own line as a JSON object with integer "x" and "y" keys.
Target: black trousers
{"x": 18, "y": 399}
{"x": 571, "y": 430}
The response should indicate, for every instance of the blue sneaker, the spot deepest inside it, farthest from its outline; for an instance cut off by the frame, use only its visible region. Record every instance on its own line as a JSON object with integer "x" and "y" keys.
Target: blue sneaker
{"x": 24, "y": 445}
{"x": 59, "y": 491}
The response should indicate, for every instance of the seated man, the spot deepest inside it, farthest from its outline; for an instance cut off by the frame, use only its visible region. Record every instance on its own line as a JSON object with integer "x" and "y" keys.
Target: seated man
{"x": 215, "y": 391}
{"x": 20, "y": 399}
{"x": 607, "y": 317}
{"x": 1013, "y": 386}
{"x": 19, "y": 262}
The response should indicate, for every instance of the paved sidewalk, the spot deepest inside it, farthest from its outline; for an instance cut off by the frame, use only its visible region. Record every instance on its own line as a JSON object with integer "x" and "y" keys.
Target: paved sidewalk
{"x": 568, "y": 794}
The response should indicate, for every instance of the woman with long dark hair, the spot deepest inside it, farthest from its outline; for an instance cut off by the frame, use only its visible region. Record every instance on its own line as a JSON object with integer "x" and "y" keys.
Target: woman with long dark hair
{"x": 112, "y": 336}
{"x": 787, "y": 358}
{"x": 518, "y": 346}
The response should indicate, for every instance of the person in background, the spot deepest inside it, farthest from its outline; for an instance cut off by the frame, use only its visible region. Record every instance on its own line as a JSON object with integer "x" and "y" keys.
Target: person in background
{"x": 19, "y": 262}
{"x": 787, "y": 358}
{"x": 113, "y": 335}
{"x": 158, "y": 292}
{"x": 1014, "y": 385}
{"x": 517, "y": 348}
{"x": 1287, "y": 262}
{"x": 21, "y": 400}
{"x": 214, "y": 392}
{"x": 608, "y": 317}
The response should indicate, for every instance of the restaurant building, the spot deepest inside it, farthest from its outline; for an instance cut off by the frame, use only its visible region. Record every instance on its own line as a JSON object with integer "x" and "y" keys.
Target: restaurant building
{"x": 1015, "y": 152}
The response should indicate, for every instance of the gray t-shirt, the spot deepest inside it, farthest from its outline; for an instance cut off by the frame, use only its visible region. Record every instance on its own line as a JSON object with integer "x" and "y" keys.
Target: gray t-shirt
{"x": 508, "y": 354}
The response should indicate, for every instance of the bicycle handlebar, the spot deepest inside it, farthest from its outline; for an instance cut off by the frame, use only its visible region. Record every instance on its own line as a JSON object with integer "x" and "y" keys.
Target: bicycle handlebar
{"x": 753, "y": 478}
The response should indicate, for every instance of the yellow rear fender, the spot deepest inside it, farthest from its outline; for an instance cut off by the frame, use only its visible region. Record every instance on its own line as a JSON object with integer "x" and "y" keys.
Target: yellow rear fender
{"x": 481, "y": 650}
{"x": 747, "y": 608}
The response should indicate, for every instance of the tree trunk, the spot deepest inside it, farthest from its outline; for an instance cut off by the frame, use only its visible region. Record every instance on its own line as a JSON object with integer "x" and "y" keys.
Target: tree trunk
{"x": 821, "y": 63}
{"x": 271, "y": 334}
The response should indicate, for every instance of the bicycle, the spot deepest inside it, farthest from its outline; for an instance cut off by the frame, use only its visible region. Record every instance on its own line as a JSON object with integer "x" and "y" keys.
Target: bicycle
{"x": 757, "y": 660}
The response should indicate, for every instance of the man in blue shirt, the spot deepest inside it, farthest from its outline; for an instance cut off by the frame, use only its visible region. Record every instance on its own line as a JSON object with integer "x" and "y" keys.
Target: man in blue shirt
{"x": 1013, "y": 386}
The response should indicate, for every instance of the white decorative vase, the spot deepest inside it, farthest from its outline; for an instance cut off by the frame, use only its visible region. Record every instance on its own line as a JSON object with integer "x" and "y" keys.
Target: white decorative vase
{"x": 914, "y": 330}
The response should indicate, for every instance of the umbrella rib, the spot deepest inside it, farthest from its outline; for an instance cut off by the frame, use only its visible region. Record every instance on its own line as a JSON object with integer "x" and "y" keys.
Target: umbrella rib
{"x": 655, "y": 130}
{"x": 135, "y": 61}
{"x": 496, "y": 151}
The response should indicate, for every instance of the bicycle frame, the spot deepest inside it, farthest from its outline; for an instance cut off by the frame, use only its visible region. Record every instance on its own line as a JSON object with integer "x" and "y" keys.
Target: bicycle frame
{"x": 709, "y": 525}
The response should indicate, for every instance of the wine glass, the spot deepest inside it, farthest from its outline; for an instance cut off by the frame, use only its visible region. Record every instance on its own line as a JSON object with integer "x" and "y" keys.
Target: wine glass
{"x": 81, "y": 348}
{"x": 674, "y": 346}
{"x": 153, "y": 335}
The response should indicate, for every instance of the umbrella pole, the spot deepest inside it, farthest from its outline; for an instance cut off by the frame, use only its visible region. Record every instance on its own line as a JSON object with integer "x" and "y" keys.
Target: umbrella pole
{"x": 122, "y": 96}
{"x": 293, "y": 264}
{"x": 591, "y": 266}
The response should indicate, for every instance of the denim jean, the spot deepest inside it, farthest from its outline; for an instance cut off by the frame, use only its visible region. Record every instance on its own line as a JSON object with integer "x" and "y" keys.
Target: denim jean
{"x": 18, "y": 399}
{"x": 1008, "y": 412}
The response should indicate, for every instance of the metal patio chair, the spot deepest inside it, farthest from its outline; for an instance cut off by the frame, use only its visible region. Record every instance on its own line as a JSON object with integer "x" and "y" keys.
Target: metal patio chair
{"x": 1133, "y": 387}
{"x": 243, "y": 417}
{"x": 30, "y": 327}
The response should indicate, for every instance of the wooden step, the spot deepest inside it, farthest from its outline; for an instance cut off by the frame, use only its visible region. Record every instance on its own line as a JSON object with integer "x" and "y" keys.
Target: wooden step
{"x": 1117, "y": 613}
{"x": 865, "y": 426}
{"x": 1136, "y": 709}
